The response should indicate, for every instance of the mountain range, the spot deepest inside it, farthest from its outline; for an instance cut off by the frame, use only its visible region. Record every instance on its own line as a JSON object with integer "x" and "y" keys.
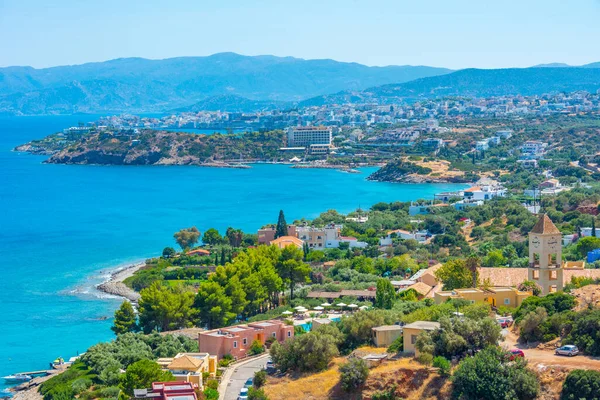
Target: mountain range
{"x": 474, "y": 83}
{"x": 233, "y": 82}
{"x": 141, "y": 85}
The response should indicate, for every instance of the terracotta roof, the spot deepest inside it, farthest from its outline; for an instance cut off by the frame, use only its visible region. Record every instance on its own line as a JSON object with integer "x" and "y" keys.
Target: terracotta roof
{"x": 422, "y": 288}
{"x": 515, "y": 276}
{"x": 545, "y": 226}
{"x": 287, "y": 241}
{"x": 186, "y": 363}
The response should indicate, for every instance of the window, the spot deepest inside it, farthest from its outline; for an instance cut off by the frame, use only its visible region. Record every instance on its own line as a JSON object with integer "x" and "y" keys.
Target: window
{"x": 507, "y": 301}
{"x": 413, "y": 339}
{"x": 289, "y": 333}
{"x": 235, "y": 345}
{"x": 274, "y": 334}
{"x": 245, "y": 341}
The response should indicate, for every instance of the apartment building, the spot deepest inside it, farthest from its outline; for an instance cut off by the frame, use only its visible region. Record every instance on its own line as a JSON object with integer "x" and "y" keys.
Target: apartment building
{"x": 307, "y": 136}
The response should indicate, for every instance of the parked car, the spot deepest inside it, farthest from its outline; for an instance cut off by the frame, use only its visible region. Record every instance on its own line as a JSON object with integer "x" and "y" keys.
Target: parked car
{"x": 516, "y": 353}
{"x": 568, "y": 350}
{"x": 270, "y": 367}
{"x": 243, "y": 394}
{"x": 248, "y": 383}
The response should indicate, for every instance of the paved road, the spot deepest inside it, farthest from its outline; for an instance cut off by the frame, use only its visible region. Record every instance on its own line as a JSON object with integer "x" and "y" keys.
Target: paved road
{"x": 241, "y": 374}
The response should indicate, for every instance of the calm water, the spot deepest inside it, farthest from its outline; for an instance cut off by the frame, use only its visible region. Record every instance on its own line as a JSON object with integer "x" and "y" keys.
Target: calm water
{"x": 63, "y": 227}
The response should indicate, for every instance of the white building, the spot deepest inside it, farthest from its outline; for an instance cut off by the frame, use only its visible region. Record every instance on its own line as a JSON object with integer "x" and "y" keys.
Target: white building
{"x": 505, "y": 134}
{"x": 484, "y": 192}
{"x": 306, "y": 136}
{"x": 533, "y": 149}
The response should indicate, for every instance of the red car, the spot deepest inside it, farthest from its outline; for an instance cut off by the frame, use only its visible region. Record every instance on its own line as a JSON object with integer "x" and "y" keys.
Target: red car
{"x": 515, "y": 353}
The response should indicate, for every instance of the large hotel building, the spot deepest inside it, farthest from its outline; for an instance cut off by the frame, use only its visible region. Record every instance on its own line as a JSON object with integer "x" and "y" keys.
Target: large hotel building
{"x": 312, "y": 137}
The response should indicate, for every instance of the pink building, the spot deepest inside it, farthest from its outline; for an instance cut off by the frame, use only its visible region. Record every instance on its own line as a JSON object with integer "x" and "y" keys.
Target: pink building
{"x": 236, "y": 340}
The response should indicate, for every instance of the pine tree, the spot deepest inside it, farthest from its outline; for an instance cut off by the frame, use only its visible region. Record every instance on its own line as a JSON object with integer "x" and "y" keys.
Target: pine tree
{"x": 281, "y": 229}
{"x": 124, "y": 319}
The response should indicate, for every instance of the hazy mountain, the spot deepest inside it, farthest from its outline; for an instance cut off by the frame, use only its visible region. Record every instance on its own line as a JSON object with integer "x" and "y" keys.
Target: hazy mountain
{"x": 476, "y": 83}
{"x": 563, "y": 65}
{"x": 137, "y": 84}
{"x": 231, "y": 103}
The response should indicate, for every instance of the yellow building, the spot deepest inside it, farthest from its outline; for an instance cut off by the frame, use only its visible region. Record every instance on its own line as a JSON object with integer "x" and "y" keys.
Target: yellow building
{"x": 383, "y": 336}
{"x": 190, "y": 366}
{"x": 412, "y": 331}
{"x": 496, "y": 296}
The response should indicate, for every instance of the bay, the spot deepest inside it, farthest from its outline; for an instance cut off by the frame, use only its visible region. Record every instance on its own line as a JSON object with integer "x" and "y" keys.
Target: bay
{"x": 64, "y": 227}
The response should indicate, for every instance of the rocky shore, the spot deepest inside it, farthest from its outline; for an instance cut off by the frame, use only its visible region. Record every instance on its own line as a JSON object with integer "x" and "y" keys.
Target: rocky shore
{"x": 116, "y": 287}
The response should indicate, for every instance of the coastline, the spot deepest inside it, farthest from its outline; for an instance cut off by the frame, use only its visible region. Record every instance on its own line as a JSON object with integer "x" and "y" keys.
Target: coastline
{"x": 115, "y": 286}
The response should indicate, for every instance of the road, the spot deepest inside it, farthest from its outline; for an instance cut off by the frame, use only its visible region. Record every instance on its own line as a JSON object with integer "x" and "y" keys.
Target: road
{"x": 547, "y": 357}
{"x": 239, "y": 375}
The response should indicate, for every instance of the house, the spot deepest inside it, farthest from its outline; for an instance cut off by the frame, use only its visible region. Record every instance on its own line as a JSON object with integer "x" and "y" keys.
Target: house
{"x": 267, "y": 235}
{"x": 423, "y": 290}
{"x": 403, "y": 284}
{"x": 189, "y": 367}
{"x": 496, "y": 296}
{"x": 417, "y": 208}
{"x": 505, "y": 134}
{"x": 412, "y": 331}
{"x": 433, "y": 143}
{"x": 353, "y": 242}
{"x": 285, "y": 241}
{"x": 176, "y": 390}
{"x": 552, "y": 183}
{"x": 482, "y": 145}
{"x": 314, "y": 237}
{"x": 384, "y": 335}
{"x": 236, "y": 340}
{"x": 465, "y": 204}
{"x": 533, "y": 149}
{"x": 484, "y": 192}
{"x": 198, "y": 252}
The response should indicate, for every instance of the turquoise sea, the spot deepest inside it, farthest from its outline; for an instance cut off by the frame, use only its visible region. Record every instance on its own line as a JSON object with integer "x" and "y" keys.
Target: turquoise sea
{"x": 62, "y": 228}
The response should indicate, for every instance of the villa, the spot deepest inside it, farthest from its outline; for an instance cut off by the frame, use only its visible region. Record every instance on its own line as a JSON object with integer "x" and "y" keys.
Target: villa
{"x": 285, "y": 241}
{"x": 496, "y": 296}
{"x": 189, "y": 367}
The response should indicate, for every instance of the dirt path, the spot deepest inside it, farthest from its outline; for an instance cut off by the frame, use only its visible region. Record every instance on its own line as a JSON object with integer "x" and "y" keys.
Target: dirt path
{"x": 547, "y": 358}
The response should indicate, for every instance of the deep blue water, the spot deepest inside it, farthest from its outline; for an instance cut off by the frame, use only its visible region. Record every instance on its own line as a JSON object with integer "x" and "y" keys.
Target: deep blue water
{"x": 63, "y": 227}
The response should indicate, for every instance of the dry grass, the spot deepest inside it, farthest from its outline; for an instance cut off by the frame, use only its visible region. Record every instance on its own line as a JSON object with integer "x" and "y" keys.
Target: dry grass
{"x": 413, "y": 381}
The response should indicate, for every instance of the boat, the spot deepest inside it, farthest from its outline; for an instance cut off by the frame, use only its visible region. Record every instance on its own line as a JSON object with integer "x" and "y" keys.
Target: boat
{"x": 17, "y": 378}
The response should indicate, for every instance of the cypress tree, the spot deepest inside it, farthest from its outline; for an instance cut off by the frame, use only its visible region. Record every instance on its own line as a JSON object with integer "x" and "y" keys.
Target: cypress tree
{"x": 222, "y": 256}
{"x": 281, "y": 229}
{"x": 593, "y": 227}
{"x": 216, "y": 259}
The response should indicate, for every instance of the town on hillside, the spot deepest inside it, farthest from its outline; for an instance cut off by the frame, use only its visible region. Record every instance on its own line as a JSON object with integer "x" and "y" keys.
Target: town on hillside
{"x": 423, "y": 296}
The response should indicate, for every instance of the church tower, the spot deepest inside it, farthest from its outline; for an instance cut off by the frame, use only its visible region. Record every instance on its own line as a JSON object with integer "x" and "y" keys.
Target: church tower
{"x": 545, "y": 256}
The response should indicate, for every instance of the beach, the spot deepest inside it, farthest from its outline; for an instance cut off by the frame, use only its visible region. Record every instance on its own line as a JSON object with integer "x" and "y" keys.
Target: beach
{"x": 115, "y": 286}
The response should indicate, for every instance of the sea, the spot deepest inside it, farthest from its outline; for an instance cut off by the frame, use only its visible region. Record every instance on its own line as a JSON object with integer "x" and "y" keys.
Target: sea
{"x": 64, "y": 228}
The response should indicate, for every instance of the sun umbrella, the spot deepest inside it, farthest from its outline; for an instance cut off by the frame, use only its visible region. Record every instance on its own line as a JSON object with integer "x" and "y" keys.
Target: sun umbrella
{"x": 341, "y": 304}
{"x": 352, "y": 306}
{"x": 326, "y": 305}
{"x": 287, "y": 313}
{"x": 363, "y": 307}
{"x": 299, "y": 308}
{"x": 319, "y": 308}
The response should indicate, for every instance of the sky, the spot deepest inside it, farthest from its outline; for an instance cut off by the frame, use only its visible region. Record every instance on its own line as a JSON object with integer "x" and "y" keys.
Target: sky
{"x": 443, "y": 33}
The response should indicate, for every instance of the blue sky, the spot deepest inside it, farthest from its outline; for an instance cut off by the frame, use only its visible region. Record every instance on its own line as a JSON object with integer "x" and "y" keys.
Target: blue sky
{"x": 445, "y": 33}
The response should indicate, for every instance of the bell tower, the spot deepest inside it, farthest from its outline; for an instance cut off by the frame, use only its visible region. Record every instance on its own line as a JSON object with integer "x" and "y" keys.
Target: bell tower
{"x": 545, "y": 256}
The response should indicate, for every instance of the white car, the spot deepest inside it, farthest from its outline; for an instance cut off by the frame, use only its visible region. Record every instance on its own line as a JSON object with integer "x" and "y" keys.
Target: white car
{"x": 568, "y": 350}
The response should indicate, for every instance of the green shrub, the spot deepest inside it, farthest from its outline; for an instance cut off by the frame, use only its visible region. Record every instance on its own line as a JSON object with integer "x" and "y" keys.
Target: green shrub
{"x": 442, "y": 364}
{"x": 256, "y": 348}
{"x": 256, "y": 394}
{"x": 387, "y": 394}
{"x": 581, "y": 384}
{"x": 81, "y": 385}
{"x": 425, "y": 358}
{"x": 397, "y": 345}
{"x": 226, "y": 360}
{"x": 260, "y": 377}
{"x": 211, "y": 394}
{"x": 353, "y": 374}
{"x": 212, "y": 383}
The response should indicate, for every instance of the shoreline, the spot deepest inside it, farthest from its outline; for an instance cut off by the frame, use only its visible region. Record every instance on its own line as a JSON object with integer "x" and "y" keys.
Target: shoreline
{"x": 114, "y": 284}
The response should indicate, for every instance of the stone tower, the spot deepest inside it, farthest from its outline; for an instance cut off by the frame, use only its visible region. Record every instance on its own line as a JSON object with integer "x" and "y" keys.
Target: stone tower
{"x": 545, "y": 256}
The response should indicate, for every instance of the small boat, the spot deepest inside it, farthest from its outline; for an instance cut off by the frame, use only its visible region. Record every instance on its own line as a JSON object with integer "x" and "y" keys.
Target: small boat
{"x": 17, "y": 378}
